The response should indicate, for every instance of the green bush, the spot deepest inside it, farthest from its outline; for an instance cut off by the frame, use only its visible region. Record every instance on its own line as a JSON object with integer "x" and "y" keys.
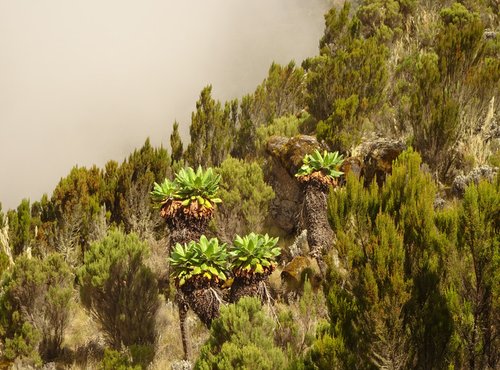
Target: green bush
{"x": 24, "y": 345}
{"x": 115, "y": 360}
{"x": 283, "y": 126}
{"x": 476, "y": 304}
{"x": 4, "y": 263}
{"x": 245, "y": 198}
{"x": 35, "y": 307}
{"x": 392, "y": 310}
{"x": 120, "y": 290}
{"x": 242, "y": 338}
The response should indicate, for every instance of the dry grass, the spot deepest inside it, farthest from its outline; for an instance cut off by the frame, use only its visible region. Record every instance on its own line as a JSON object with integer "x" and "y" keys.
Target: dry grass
{"x": 169, "y": 346}
{"x": 83, "y": 341}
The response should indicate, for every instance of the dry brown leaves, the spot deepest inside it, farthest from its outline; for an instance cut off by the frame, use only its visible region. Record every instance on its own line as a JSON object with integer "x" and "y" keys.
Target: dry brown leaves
{"x": 318, "y": 180}
{"x": 173, "y": 209}
{"x": 249, "y": 276}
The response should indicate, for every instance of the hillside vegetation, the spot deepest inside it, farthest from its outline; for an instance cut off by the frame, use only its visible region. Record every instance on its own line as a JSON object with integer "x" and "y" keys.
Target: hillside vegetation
{"x": 178, "y": 258}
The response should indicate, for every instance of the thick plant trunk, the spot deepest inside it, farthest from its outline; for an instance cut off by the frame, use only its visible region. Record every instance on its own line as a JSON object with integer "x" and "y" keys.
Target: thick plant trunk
{"x": 183, "y": 310}
{"x": 183, "y": 235}
{"x": 205, "y": 302}
{"x": 319, "y": 233}
{"x": 182, "y": 230}
{"x": 244, "y": 288}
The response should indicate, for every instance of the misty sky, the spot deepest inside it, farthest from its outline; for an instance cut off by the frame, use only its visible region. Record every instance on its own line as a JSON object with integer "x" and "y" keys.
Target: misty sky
{"x": 86, "y": 81}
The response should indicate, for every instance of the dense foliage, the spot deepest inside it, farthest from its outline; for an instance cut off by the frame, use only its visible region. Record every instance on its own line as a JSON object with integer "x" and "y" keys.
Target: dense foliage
{"x": 35, "y": 303}
{"x": 245, "y": 198}
{"x": 408, "y": 273}
{"x": 120, "y": 290}
{"x": 242, "y": 338}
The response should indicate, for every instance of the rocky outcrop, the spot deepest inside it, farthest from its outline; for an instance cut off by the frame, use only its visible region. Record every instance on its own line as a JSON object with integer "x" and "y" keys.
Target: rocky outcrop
{"x": 373, "y": 159}
{"x": 285, "y": 158}
{"x": 461, "y": 182}
{"x": 296, "y": 272}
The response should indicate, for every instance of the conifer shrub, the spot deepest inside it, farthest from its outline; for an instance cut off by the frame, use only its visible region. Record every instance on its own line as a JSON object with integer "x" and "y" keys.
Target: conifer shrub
{"x": 390, "y": 310}
{"x": 287, "y": 126}
{"x": 475, "y": 303}
{"x": 4, "y": 263}
{"x": 24, "y": 346}
{"x": 241, "y": 338}
{"x": 35, "y": 305}
{"x": 245, "y": 198}
{"x": 120, "y": 290}
{"x": 345, "y": 83}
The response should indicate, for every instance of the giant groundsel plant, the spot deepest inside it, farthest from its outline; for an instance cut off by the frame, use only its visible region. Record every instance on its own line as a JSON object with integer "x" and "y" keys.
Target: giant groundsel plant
{"x": 199, "y": 263}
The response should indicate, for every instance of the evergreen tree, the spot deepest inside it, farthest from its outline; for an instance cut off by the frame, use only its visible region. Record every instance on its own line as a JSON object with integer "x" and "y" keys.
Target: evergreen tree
{"x": 176, "y": 143}
{"x": 385, "y": 19}
{"x": 446, "y": 99}
{"x": 408, "y": 196}
{"x": 281, "y": 93}
{"x": 134, "y": 179}
{"x": 345, "y": 83}
{"x": 246, "y": 133}
{"x": 201, "y": 129}
{"x": 19, "y": 227}
{"x": 212, "y": 130}
{"x": 476, "y": 299}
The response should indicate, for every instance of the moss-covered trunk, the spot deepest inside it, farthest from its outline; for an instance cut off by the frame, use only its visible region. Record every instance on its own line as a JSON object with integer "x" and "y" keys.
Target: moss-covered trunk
{"x": 319, "y": 233}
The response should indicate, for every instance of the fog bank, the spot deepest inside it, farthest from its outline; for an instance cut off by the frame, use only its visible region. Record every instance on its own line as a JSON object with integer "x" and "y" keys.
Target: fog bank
{"x": 86, "y": 81}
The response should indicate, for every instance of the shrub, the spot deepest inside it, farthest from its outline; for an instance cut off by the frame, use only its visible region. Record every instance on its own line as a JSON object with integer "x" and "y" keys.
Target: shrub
{"x": 283, "y": 126}
{"x": 242, "y": 338}
{"x": 24, "y": 345}
{"x": 119, "y": 290}
{"x": 36, "y": 305}
{"x": 114, "y": 360}
{"x": 245, "y": 196}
